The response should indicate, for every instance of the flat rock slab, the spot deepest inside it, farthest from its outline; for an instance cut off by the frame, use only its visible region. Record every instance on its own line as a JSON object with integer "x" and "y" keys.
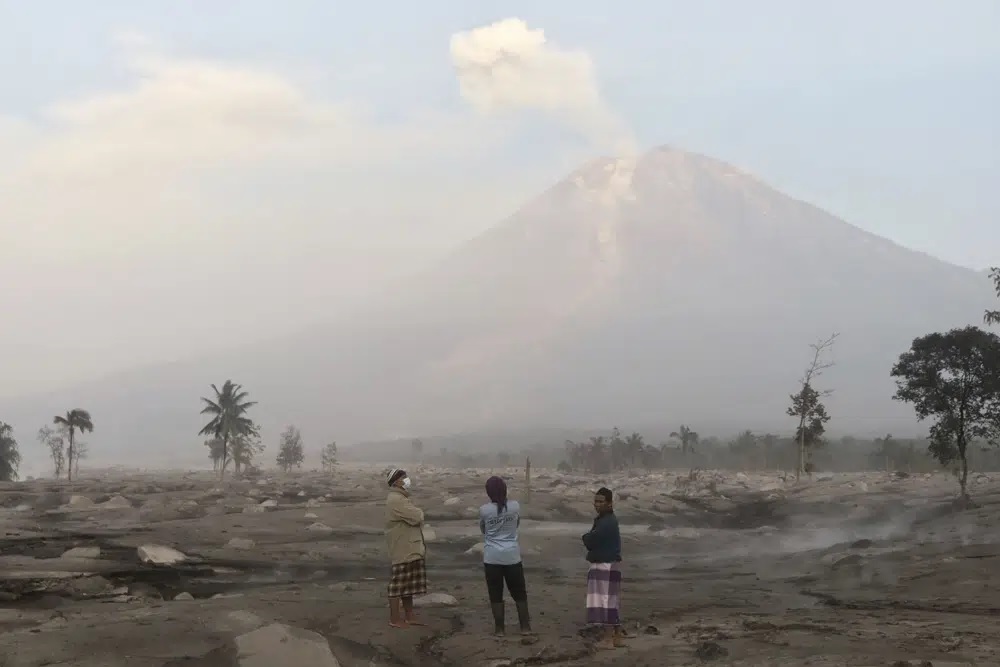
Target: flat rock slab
{"x": 277, "y": 645}
{"x": 435, "y": 600}
{"x": 157, "y": 554}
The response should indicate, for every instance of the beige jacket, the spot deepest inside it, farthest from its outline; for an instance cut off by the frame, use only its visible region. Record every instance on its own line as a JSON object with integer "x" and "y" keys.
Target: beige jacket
{"x": 403, "y": 528}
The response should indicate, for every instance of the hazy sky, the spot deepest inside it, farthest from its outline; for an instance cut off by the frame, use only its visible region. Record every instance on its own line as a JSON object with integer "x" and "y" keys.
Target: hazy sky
{"x": 176, "y": 174}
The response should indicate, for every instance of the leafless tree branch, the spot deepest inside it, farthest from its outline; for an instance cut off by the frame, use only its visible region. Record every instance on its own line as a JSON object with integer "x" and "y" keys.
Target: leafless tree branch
{"x": 817, "y": 366}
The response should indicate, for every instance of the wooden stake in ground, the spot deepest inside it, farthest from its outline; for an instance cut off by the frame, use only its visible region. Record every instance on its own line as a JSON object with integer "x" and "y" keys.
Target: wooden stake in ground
{"x": 527, "y": 480}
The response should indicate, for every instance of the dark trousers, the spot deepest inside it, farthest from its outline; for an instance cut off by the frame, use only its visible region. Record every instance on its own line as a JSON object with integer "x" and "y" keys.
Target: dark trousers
{"x": 496, "y": 575}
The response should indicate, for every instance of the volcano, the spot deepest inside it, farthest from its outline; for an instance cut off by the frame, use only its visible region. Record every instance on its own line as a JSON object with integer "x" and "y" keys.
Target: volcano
{"x": 652, "y": 291}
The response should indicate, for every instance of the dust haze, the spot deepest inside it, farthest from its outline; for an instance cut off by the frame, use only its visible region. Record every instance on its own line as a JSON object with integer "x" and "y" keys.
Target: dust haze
{"x": 236, "y": 299}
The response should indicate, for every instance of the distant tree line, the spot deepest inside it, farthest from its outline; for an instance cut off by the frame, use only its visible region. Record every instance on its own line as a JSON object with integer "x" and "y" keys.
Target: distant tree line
{"x": 952, "y": 379}
{"x": 235, "y": 437}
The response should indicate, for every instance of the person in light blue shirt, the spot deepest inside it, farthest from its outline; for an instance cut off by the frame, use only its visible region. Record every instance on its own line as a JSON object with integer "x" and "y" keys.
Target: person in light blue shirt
{"x": 499, "y": 520}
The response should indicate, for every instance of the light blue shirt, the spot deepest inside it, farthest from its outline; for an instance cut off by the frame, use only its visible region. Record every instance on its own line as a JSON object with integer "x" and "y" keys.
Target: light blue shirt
{"x": 500, "y": 533}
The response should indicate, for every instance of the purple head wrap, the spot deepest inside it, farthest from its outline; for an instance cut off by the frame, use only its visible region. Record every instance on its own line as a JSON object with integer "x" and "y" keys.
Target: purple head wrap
{"x": 496, "y": 489}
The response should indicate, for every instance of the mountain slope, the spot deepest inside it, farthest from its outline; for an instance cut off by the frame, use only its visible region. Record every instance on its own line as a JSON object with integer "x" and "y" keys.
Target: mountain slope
{"x": 672, "y": 287}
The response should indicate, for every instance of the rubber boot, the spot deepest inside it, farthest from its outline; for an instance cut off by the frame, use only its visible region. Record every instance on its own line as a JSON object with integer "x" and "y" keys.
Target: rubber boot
{"x": 498, "y": 625}
{"x": 523, "y": 616}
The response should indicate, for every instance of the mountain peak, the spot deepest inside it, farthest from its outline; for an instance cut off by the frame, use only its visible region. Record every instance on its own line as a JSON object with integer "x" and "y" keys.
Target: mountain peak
{"x": 658, "y": 289}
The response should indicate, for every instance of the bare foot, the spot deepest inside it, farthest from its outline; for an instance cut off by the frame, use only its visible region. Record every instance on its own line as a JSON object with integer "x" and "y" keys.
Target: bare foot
{"x": 413, "y": 621}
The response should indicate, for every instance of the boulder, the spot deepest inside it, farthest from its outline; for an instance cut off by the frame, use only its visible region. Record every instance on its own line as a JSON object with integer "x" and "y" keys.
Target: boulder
{"x": 279, "y": 644}
{"x": 319, "y": 527}
{"x": 452, "y": 501}
{"x": 116, "y": 502}
{"x": 82, "y": 552}
{"x": 89, "y": 586}
{"x": 157, "y": 554}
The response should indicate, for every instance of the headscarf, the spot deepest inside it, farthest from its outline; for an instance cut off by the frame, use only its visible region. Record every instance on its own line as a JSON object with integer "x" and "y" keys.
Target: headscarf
{"x": 393, "y": 475}
{"x": 496, "y": 489}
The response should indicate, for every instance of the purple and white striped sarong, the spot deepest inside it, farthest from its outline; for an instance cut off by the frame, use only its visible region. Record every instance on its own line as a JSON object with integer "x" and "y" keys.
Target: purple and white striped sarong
{"x": 604, "y": 587}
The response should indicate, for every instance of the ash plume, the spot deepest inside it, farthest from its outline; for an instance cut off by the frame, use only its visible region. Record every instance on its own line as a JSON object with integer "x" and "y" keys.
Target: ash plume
{"x": 508, "y": 67}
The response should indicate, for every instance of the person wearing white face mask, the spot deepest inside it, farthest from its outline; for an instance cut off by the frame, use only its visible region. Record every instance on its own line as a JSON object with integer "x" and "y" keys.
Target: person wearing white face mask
{"x": 404, "y": 534}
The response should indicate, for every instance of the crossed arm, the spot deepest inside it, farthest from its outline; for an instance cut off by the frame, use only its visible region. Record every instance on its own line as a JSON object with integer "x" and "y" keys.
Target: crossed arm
{"x": 408, "y": 512}
{"x": 598, "y": 534}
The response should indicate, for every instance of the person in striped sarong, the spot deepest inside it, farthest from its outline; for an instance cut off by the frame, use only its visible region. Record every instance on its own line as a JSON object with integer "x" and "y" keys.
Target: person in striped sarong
{"x": 604, "y": 579}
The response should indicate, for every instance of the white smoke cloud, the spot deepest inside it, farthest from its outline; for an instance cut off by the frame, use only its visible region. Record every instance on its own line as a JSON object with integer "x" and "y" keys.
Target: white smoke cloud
{"x": 507, "y": 66}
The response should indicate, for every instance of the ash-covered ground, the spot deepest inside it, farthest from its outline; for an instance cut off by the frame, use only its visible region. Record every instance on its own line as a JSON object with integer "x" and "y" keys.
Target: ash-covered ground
{"x": 290, "y": 570}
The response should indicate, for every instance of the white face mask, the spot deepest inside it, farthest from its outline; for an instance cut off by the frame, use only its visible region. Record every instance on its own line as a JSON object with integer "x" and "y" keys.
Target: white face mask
{"x": 406, "y": 483}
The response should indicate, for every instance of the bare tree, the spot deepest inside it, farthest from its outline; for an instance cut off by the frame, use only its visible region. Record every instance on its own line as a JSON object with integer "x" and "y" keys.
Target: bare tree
{"x": 329, "y": 457}
{"x": 806, "y": 403}
{"x": 56, "y": 445}
{"x": 81, "y": 451}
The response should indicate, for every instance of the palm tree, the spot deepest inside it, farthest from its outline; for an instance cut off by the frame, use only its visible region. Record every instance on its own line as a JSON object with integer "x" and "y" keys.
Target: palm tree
{"x": 597, "y": 454}
{"x": 993, "y": 316}
{"x": 634, "y": 447}
{"x": 687, "y": 437}
{"x": 75, "y": 420}
{"x": 229, "y": 420}
{"x": 10, "y": 458}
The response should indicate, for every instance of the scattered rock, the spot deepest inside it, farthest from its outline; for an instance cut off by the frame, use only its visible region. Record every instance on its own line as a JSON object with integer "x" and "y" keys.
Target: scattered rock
{"x": 82, "y": 552}
{"x": 156, "y": 554}
{"x": 279, "y": 644}
{"x": 116, "y": 502}
{"x": 452, "y": 501}
{"x": 310, "y": 515}
{"x": 89, "y": 586}
{"x": 319, "y": 527}
{"x": 143, "y": 590}
{"x": 183, "y": 597}
{"x": 435, "y": 600}
{"x": 269, "y": 503}
{"x": 79, "y": 501}
{"x": 652, "y": 630}
{"x": 254, "y": 509}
